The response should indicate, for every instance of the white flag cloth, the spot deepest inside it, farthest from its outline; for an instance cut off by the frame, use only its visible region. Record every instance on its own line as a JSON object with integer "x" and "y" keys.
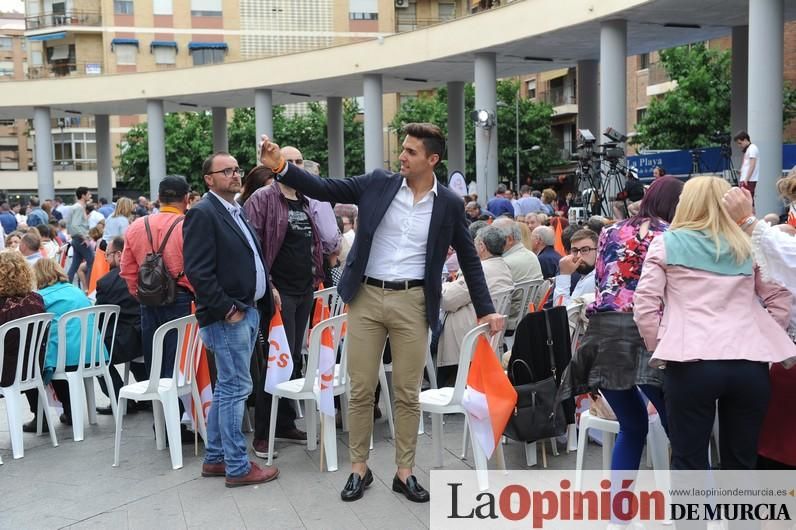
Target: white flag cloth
{"x": 280, "y": 361}
{"x": 475, "y": 403}
{"x": 326, "y": 374}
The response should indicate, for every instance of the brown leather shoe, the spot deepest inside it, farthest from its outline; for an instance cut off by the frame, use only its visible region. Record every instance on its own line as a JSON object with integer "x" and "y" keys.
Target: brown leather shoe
{"x": 214, "y": 470}
{"x": 256, "y": 475}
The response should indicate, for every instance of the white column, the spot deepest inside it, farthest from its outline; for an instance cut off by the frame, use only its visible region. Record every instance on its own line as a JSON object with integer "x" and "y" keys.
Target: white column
{"x": 589, "y": 95}
{"x": 334, "y": 131}
{"x": 102, "y": 130}
{"x": 44, "y": 153}
{"x": 157, "y": 145}
{"x": 374, "y": 134}
{"x": 486, "y": 139}
{"x": 766, "y": 41}
{"x": 264, "y": 113}
{"x": 613, "y": 89}
{"x": 220, "y": 141}
{"x": 739, "y": 88}
{"x": 456, "y": 150}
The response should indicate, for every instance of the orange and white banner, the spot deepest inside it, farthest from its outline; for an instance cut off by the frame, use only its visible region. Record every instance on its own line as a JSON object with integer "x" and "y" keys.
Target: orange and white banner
{"x": 280, "y": 360}
{"x": 489, "y": 398}
{"x": 326, "y": 373}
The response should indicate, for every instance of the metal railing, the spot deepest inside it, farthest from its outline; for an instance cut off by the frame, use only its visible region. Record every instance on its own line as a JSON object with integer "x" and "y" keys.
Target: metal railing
{"x": 64, "y": 69}
{"x": 557, "y": 98}
{"x": 68, "y": 18}
{"x": 657, "y": 74}
{"x": 410, "y": 23}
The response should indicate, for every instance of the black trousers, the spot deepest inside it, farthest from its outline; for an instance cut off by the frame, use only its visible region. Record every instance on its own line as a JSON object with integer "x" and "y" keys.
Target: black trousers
{"x": 295, "y": 315}
{"x": 692, "y": 391}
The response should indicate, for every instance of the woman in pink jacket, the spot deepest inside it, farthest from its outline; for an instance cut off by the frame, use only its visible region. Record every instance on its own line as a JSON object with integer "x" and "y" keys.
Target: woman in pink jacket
{"x": 714, "y": 324}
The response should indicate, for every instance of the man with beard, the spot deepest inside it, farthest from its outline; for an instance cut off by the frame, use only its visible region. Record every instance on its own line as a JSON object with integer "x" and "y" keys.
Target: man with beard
{"x": 581, "y": 259}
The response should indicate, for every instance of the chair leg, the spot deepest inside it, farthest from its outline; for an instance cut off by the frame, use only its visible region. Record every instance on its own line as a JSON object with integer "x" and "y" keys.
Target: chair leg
{"x": 77, "y": 395}
{"x": 329, "y": 442}
{"x": 311, "y": 423}
{"x": 299, "y": 413}
{"x": 481, "y": 467}
{"x": 46, "y": 411}
{"x": 158, "y": 415}
{"x": 608, "y": 449}
{"x": 421, "y": 427}
{"x": 111, "y": 392}
{"x": 126, "y": 382}
{"x": 91, "y": 400}
{"x": 572, "y": 437}
{"x": 554, "y": 446}
{"x": 500, "y": 458}
{"x": 117, "y": 440}
{"x": 583, "y": 438}
{"x": 171, "y": 411}
{"x": 14, "y": 414}
{"x": 344, "y": 410}
{"x": 436, "y": 438}
{"x": 530, "y": 454}
{"x": 272, "y": 429}
{"x": 463, "y": 456}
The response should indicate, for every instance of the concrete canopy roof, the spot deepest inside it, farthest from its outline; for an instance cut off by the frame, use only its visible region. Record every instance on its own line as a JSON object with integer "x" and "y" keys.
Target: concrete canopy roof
{"x": 520, "y": 34}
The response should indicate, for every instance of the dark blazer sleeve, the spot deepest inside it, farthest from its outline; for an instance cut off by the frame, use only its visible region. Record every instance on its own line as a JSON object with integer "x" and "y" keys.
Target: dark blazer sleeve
{"x": 470, "y": 264}
{"x": 346, "y": 190}
{"x": 199, "y": 256}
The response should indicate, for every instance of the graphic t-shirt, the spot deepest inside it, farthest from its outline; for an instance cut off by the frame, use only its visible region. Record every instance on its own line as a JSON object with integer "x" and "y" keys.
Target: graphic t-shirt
{"x": 292, "y": 269}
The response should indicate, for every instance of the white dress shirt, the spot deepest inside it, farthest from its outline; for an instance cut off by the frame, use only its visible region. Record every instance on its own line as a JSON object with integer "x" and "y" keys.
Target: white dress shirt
{"x": 237, "y": 214}
{"x": 586, "y": 286}
{"x": 399, "y": 243}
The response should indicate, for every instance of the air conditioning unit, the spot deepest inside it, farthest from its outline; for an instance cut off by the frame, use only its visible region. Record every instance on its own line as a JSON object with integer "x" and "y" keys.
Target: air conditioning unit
{"x": 401, "y": 4}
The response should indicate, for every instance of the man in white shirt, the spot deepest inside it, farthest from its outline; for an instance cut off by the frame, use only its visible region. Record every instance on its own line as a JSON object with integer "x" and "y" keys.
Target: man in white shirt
{"x": 94, "y": 216}
{"x": 750, "y": 170}
{"x": 581, "y": 258}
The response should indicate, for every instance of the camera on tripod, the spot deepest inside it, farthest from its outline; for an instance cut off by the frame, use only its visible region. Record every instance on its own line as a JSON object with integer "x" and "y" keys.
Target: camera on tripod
{"x": 611, "y": 152}
{"x": 720, "y": 137}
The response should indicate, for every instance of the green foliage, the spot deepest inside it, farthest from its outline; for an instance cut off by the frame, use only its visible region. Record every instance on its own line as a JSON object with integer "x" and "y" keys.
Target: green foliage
{"x": 788, "y": 106}
{"x": 189, "y": 140}
{"x": 534, "y": 126}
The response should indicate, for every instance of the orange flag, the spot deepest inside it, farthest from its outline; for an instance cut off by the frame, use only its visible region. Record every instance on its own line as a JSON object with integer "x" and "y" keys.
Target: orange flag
{"x": 489, "y": 398}
{"x": 320, "y": 311}
{"x": 98, "y": 270}
{"x": 559, "y": 242}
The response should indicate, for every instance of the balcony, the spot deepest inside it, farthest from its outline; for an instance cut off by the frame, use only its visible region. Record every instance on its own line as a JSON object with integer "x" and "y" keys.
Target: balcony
{"x": 659, "y": 81}
{"x": 67, "y": 18}
{"x": 64, "y": 69}
{"x": 563, "y": 102}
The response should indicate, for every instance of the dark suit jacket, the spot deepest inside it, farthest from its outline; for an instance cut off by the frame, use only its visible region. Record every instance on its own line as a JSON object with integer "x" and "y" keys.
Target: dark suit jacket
{"x": 549, "y": 260}
{"x": 219, "y": 263}
{"x": 374, "y": 192}
{"x": 112, "y": 289}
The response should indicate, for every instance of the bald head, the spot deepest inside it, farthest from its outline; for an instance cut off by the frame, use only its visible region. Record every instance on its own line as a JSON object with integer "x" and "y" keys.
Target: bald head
{"x": 292, "y": 155}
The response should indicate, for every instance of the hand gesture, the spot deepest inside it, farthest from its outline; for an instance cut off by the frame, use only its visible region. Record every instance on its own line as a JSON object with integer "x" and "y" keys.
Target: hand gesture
{"x": 496, "y": 322}
{"x": 738, "y": 203}
{"x": 270, "y": 156}
{"x": 568, "y": 264}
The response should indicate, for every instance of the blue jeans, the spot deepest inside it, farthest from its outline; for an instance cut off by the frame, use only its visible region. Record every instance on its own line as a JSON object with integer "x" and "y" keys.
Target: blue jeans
{"x": 232, "y": 345}
{"x": 80, "y": 252}
{"x": 152, "y": 318}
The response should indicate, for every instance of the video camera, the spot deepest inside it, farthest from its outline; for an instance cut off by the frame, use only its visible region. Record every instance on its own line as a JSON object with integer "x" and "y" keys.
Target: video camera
{"x": 720, "y": 137}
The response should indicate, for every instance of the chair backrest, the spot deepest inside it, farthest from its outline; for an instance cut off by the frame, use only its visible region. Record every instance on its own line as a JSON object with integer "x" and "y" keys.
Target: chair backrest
{"x": 502, "y": 302}
{"x": 537, "y": 294}
{"x": 335, "y": 324}
{"x": 523, "y": 291}
{"x": 332, "y": 299}
{"x": 577, "y": 323}
{"x": 465, "y": 356}
{"x": 33, "y": 333}
{"x": 188, "y": 345}
{"x": 94, "y": 323}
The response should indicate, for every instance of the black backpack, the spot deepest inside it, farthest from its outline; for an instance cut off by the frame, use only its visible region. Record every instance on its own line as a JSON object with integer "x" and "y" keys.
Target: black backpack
{"x": 156, "y": 287}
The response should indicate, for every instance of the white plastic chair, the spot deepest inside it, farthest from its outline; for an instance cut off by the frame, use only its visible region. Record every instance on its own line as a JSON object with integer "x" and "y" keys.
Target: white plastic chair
{"x": 165, "y": 392}
{"x": 33, "y": 333}
{"x": 657, "y": 442}
{"x": 448, "y": 400}
{"x": 92, "y": 362}
{"x": 307, "y": 389}
{"x": 524, "y": 291}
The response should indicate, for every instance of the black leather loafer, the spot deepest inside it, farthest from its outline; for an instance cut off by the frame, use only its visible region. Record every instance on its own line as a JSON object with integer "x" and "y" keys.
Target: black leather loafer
{"x": 411, "y": 489}
{"x": 355, "y": 486}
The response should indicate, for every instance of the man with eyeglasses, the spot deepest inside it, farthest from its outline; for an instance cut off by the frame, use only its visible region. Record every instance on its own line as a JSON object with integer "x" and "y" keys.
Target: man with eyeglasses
{"x": 582, "y": 257}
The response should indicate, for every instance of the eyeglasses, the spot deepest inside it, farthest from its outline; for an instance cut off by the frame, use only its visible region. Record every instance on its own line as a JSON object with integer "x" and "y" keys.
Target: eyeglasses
{"x": 229, "y": 171}
{"x": 585, "y": 250}
{"x": 298, "y": 161}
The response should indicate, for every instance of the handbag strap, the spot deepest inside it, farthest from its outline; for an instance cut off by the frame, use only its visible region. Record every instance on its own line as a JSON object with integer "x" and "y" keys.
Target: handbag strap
{"x": 550, "y": 341}
{"x": 523, "y": 363}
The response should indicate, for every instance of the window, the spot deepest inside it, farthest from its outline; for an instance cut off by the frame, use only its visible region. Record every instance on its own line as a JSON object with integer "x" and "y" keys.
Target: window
{"x": 406, "y": 17}
{"x": 36, "y": 58}
{"x": 7, "y": 123}
{"x": 75, "y": 150}
{"x": 206, "y": 8}
{"x": 447, "y": 11}
{"x": 122, "y": 7}
{"x": 531, "y": 88}
{"x": 208, "y": 56}
{"x": 165, "y": 55}
{"x": 6, "y": 68}
{"x": 640, "y": 114}
{"x": 6, "y": 43}
{"x": 126, "y": 53}
{"x": 363, "y": 9}
{"x": 162, "y": 7}
{"x": 643, "y": 61}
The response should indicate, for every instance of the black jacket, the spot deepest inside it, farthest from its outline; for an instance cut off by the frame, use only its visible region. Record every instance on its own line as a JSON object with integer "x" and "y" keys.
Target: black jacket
{"x": 374, "y": 192}
{"x": 112, "y": 289}
{"x": 219, "y": 263}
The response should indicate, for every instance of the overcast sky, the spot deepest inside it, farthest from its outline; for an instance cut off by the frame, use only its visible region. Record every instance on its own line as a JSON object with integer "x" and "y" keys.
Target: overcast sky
{"x": 12, "y": 5}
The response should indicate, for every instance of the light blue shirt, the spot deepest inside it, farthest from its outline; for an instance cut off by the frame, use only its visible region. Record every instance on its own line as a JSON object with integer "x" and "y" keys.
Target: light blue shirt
{"x": 236, "y": 212}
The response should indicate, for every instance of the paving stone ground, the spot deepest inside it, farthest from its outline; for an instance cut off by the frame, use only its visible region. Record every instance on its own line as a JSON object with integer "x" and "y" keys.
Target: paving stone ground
{"x": 75, "y": 486}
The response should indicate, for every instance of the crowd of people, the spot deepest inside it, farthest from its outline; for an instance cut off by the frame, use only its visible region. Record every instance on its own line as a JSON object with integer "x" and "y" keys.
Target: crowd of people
{"x": 689, "y": 297}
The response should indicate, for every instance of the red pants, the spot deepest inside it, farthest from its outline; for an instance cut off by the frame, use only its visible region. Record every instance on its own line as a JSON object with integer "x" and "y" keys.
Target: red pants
{"x": 751, "y": 187}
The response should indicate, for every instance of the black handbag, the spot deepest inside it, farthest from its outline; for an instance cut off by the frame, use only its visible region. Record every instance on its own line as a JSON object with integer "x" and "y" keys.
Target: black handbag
{"x": 537, "y": 414}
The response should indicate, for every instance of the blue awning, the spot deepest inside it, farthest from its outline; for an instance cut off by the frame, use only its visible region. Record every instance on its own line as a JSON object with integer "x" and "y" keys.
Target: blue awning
{"x": 116, "y": 41}
{"x": 163, "y": 44}
{"x": 207, "y": 45}
{"x": 48, "y": 36}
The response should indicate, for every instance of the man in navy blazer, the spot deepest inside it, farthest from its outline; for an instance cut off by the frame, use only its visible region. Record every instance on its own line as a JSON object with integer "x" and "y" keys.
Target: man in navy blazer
{"x": 393, "y": 283}
{"x": 224, "y": 262}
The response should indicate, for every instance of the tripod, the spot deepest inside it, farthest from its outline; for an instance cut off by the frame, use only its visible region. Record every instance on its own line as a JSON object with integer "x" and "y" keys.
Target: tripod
{"x": 725, "y": 165}
{"x": 696, "y": 162}
{"x": 612, "y": 186}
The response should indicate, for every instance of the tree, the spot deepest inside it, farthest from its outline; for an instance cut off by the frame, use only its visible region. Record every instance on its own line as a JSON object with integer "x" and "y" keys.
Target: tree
{"x": 699, "y": 106}
{"x": 189, "y": 141}
{"x": 534, "y": 121}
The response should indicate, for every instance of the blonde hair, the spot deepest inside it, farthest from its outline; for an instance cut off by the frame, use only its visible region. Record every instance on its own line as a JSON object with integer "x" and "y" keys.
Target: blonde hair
{"x": 48, "y": 273}
{"x": 786, "y": 186}
{"x": 526, "y": 236}
{"x": 549, "y": 195}
{"x": 124, "y": 208}
{"x": 16, "y": 273}
{"x": 543, "y": 218}
{"x": 701, "y": 208}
